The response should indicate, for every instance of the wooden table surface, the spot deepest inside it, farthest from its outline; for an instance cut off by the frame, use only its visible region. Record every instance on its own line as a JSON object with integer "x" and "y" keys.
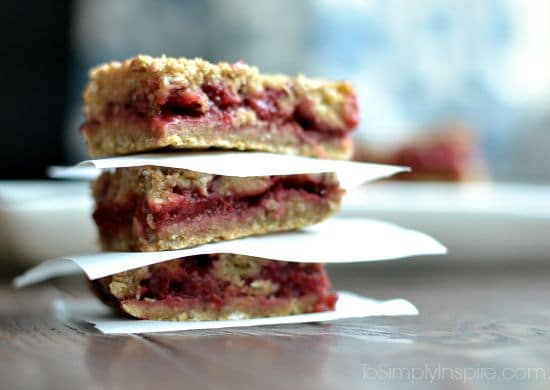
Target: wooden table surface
{"x": 478, "y": 328}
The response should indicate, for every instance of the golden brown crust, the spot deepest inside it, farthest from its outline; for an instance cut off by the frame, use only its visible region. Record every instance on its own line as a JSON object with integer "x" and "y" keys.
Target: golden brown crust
{"x": 117, "y": 138}
{"x": 241, "y": 309}
{"x": 152, "y": 183}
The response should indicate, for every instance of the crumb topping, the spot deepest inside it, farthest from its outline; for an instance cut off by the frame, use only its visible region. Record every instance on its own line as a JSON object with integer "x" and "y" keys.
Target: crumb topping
{"x": 144, "y": 80}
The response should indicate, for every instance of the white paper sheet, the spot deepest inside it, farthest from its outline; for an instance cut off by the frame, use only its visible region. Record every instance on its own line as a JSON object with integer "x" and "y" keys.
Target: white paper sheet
{"x": 337, "y": 240}
{"x": 242, "y": 164}
{"x": 349, "y": 305}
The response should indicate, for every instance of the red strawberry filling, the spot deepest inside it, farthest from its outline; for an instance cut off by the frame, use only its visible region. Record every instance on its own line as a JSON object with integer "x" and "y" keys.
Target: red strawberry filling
{"x": 216, "y": 105}
{"x": 190, "y": 206}
{"x": 193, "y": 280}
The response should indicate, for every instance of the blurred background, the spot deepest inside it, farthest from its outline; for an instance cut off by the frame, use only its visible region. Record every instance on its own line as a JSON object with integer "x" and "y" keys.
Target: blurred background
{"x": 457, "y": 89}
{"x": 482, "y": 66}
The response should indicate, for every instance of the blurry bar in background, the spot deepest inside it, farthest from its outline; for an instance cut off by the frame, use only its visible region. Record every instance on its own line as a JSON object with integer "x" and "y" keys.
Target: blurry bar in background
{"x": 447, "y": 152}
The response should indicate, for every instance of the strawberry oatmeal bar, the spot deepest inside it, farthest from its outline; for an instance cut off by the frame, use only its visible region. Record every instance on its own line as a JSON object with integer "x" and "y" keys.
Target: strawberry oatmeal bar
{"x": 147, "y": 103}
{"x": 153, "y": 208}
{"x": 218, "y": 287}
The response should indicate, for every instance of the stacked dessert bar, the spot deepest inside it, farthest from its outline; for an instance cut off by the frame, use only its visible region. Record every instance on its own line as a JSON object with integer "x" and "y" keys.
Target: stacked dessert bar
{"x": 155, "y": 104}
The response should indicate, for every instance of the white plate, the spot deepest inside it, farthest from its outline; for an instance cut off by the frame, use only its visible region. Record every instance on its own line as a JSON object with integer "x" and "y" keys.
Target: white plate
{"x": 43, "y": 219}
{"x": 477, "y": 222}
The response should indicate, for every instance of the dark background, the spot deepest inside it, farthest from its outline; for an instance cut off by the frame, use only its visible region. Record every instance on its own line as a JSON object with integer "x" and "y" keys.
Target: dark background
{"x": 33, "y": 73}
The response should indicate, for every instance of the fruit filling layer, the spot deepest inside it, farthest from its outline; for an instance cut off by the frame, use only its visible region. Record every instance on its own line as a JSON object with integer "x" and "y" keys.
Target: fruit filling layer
{"x": 173, "y": 197}
{"x": 218, "y": 106}
{"x": 216, "y": 281}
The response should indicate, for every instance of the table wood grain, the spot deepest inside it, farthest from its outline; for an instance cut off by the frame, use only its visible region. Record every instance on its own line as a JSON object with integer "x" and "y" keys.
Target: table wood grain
{"x": 485, "y": 318}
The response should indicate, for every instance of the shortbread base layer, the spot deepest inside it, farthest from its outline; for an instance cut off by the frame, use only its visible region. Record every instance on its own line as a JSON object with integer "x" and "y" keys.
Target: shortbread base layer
{"x": 119, "y": 137}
